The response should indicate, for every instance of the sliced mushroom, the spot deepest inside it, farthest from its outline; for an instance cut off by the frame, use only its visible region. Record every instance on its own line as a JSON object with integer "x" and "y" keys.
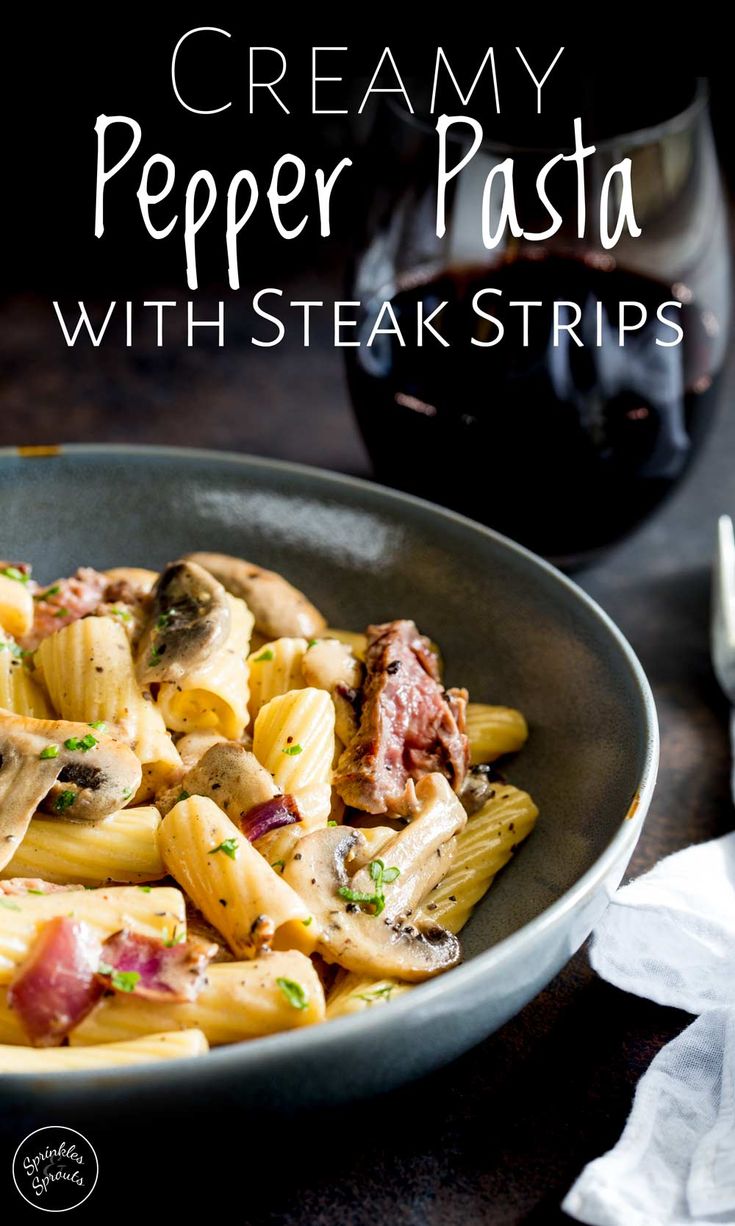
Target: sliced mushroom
{"x": 423, "y": 850}
{"x": 479, "y": 785}
{"x": 382, "y": 942}
{"x": 330, "y": 665}
{"x": 230, "y": 775}
{"x": 280, "y": 610}
{"x": 189, "y": 619}
{"x": 84, "y": 773}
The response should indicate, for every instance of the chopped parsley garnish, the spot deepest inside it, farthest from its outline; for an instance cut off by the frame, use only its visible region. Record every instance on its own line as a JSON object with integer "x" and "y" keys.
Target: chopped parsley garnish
{"x": 351, "y": 895}
{"x": 163, "y": 620}
{"x": 278, "y": 864}
{"x": 145, "y": 888}
{"x": 376, "y": 994}
{"x": 30, "y": 891}
{"x": 64, "y": 801}
{"x": 99, "y": 725}
{"x": 14, "y": 649}
{"x": 50, "y": 591}
{"x": 382, "y": 876}
{"x": 62, "y": 611}
{"x": 177, "y": 939}
{"x": 154, "y": 657}
{"x": 12, "y": 572}
{"x": 122, "y": 614}
{"x": 51, "y": 751}
{"x": 127, "y": 793}
{"x": 292, "y": 750}
{"x": 124, "y": 981}
{"x": 306, "y": 922}
{"x": 84, "y": 743}
{"x": 332, "y": 823}
{"x": 183, "y": 795}
{"x": 311, "y": 643}
{"x": 293, "y": 993}
{"x": 228, "y": 846}
{"x": 9, "y": 906}
{"x": 264, "y": 655}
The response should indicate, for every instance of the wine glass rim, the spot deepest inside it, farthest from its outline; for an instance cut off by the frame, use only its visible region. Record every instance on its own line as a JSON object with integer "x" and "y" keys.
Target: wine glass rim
{"x": 634, "y": 137}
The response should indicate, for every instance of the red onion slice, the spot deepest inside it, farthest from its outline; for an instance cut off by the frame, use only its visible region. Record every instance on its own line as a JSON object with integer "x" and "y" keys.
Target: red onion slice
{"x": 145, "y": 966}
{"x": 269, "y": 815}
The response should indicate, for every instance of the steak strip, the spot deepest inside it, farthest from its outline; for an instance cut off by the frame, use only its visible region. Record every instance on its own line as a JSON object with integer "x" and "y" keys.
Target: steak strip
{"x": 410, "y": 726}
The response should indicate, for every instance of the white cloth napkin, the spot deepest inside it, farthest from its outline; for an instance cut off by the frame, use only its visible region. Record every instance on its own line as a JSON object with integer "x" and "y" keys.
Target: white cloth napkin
{"x": 670, "y": 936}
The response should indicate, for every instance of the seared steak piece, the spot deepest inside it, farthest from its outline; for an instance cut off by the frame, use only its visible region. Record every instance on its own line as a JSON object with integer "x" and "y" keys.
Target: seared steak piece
{"x": 409, "y": 726}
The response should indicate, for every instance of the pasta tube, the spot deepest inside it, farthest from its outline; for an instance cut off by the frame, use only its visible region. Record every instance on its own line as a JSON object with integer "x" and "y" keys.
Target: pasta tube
{"x": 19, "y": 692}
{"x": 158, "y": 912}
{"x": 241, "y": 1000}
{"x": 352, "y": 993}
{"x": 293, "y": 739}
{"x": 278, "y": 846}
{"x": 171, "y": 1045}
{"x": 484, "y": 846}
{"x": 275, "y": 668}
{"x": 139, "y": 577}
{"x": 88, "y": 671}
{"x": 214, "y": 696}
{"x": 16, "y": 606}
{"x": 230, "y": 882}
{"x": 357, "y": 642}
{"x": 122, "y": 848}
{"x": 494, "y": 731}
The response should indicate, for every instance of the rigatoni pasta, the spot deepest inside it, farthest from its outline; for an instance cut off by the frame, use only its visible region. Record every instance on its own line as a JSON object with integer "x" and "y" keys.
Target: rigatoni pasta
{"x": 231, "y": 884}
{"x": 494, "y": 732}
{"x": 241, "y": 1000}
{"x": 214, "y": 696}
{"x": 323, "y": 804}
{"x": 173, "y": 1045}
{"x": 486, "y": 844}
{"x": 19, "y": 691}
{"x": 87, "y": 669}
{"x": 275, "y": 668}
{"x": 159, "y": 911}
{"x": 16, "y": 602}
{"x": 293, "y": 738}
{"x": 121, "y": 848}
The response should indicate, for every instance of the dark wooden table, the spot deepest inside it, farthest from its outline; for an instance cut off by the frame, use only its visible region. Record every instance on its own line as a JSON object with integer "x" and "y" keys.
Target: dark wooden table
{"x": 499, "y": 1136}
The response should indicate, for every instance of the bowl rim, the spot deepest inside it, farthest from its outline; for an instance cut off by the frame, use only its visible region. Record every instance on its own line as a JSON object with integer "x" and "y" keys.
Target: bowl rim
{"x": 309, "y": 1040}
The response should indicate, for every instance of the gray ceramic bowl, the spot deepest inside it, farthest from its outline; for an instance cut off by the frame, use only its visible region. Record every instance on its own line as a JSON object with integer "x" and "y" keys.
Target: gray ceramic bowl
{"x": 511, "y": 628}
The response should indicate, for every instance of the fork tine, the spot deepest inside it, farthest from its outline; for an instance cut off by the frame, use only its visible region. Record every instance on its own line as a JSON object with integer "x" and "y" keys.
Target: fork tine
{"x": 723, "y": 607}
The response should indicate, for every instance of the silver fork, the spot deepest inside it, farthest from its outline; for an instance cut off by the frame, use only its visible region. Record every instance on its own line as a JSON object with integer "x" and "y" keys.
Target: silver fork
{"x": 723, "y": 607}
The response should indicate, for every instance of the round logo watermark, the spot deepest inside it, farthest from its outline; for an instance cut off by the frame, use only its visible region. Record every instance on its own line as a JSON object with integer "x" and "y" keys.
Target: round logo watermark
{"x": 55, "y": 1168}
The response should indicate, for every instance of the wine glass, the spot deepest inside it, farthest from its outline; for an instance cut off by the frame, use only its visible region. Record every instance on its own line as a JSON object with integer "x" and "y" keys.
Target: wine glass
{"x": 564, "y": 440}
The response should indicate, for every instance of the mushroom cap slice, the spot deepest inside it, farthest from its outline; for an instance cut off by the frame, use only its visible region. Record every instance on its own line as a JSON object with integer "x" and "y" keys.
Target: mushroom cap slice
{"x": 376, "y": 945}
{"x": 280, "y": 610}
{"x": 228, "y": 774}
{"x": 423, "y": 850}
{"x": 188, "y": 620}
{"x": 42, "y": 758}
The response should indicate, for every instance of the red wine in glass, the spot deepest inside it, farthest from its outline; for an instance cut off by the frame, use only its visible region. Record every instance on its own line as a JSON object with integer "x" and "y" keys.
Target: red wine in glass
{"x": 564, "y": 447}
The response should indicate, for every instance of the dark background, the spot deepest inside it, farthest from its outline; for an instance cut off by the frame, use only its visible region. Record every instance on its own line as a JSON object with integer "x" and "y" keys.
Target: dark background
{"x": 499, "y": 1136}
